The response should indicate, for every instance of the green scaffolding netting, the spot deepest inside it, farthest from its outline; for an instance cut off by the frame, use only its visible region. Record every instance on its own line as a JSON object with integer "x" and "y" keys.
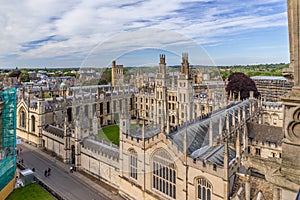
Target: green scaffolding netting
{"x": 7, "y": 136}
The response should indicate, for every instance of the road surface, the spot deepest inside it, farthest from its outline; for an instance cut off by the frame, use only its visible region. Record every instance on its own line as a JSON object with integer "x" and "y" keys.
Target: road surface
{"x": 61, "y": 180}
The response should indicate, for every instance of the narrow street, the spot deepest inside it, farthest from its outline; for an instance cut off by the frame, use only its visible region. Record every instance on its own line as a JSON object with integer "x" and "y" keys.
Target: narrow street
{"x": 69, "y": 185}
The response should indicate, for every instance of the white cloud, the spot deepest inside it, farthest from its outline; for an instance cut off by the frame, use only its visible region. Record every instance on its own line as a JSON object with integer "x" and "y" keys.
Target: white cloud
{"x": 80, "y": 25}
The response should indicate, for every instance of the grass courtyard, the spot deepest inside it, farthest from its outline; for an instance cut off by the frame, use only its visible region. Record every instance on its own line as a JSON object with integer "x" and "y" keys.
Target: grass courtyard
{"x": 111, "y": 133}
{"x": 30, "y": 192}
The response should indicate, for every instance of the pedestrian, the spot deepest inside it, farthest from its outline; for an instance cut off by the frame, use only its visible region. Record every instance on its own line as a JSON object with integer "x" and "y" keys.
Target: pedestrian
{"x": 22, "y": 161}
{"x": 49, "y": 171}
{"x": 46, "y": 173}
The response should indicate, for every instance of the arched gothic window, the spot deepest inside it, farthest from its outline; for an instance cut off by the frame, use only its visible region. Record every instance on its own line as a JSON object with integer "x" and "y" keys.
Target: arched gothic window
{"x": 204, "y": 189}
{"x": 164, "y": 173}
{"x": 22, "y": 119}
{"x": 173, "y": 119}
{"x": 32, "y": 123}
{"x": 133, "y": 164}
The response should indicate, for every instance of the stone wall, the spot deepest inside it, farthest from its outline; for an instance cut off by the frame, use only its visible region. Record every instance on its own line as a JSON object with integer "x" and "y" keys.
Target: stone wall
{"x": 100, "y": 164}
{"x": 54, "y": 143}
{"x": 256, "y": 185}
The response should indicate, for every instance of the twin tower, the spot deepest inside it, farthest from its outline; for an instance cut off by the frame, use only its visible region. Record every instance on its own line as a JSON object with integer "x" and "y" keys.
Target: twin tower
{"x": 117, "y": 72}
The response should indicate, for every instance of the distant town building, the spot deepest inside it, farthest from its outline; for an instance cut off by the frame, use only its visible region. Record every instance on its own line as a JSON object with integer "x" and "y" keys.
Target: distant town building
{"x": 272, "y": 88}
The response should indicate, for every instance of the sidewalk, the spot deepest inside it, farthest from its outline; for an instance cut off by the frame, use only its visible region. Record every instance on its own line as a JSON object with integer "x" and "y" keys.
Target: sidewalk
{"x": 96, "y": 184}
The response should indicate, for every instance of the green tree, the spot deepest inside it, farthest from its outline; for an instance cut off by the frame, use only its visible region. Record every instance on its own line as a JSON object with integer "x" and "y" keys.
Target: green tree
{"x": 25, "y": 76}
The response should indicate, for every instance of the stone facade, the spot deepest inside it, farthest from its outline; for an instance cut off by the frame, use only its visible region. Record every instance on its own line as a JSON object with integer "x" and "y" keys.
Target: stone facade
{"x": 272, "y": 113}
{"x": 207, "y": 156}
{"x": 184, "y": 124}
{"x": 272, "y": 88}
{"x": 284, "y": 172}
{"x": 117, "y": 74}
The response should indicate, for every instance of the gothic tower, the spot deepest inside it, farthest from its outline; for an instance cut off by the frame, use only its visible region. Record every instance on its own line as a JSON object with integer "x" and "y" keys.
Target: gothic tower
{"x": 67, "y": 142}
{"x": 185, "y": 67}
{"x": 160, "y": 106}
{"x": 117, "y": 77}
{"x": 41, "y": 111}
{"x": 185, "y": 91}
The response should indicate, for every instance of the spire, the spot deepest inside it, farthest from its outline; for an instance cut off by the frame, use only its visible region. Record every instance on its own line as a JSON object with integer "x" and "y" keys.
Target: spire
{"x": 41, "y": 95}
{"x": 185, "y": 136}
{"x": 239, "y": 115}
{"x": 143, "y": 130}
{"x": 23, "y": 93}
{"x": 95, "y": 124}
{"x": 230, "y": 95}
{"x": 226, "y": 159}
{"x": 227, "y": 123}
{"x": 226, "y": 166}
{"x": 245, "y": 134}
{"x": 244, "y": 114}
{"x": 238, "y": 144}
{"x": 233, "y": 118}
{"x": 220, "y": 128}
{"x": 210, "y": 132}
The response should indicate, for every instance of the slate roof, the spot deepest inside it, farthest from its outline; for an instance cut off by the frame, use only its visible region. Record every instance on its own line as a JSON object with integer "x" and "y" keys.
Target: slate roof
{"x": 213, "y": 154}
{"x": 55, "y": 130}
{"x": 280, "y": 78}
{"x": 100, "y": 147}
{"x": 265, "y": 133}
{"x": 150, "y": 131}
{"x": 198, "y": 130}
{"x": 273, "y": 104}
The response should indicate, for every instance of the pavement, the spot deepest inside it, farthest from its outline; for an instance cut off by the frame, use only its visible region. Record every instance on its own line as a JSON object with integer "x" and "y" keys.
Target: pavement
{"x": 73, "y": 186}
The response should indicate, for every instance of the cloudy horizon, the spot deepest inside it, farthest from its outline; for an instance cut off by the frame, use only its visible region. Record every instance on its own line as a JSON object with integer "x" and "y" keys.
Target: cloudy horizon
{"x": 52, "y": 33}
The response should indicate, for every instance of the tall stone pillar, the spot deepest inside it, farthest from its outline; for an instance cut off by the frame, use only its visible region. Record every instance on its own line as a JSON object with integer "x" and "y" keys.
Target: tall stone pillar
{"x": 294, "y": 20}
{"x": 247, "y": 188}
{"x": 291, "y": 102}
{"x": 293, "y": 72}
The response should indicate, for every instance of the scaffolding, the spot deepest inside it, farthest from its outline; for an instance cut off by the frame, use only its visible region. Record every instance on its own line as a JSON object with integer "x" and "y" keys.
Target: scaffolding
{"x": 7, "y": 136}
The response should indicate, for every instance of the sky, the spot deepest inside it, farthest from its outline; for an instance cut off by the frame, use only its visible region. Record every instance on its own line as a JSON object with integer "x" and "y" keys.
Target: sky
{"x": 78, "y": 33}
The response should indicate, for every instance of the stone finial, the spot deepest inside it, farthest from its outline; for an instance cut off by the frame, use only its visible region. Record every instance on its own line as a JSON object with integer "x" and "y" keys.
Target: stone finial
{"x": 41, "y": 93}
{"x": 220, "y": 128}
{"x": 251, "y": 94}
{"x": 162, "y": 59}
{"x": 210, "y": 132}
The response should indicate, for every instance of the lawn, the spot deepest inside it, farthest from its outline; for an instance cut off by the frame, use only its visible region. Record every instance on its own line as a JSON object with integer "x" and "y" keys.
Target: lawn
{"x": 110, "y": 133}
{"x": 30, "y": 192}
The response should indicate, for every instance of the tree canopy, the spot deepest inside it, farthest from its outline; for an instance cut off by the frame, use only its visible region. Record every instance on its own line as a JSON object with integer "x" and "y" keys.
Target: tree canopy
{"x": 239, "y": 82}
{"x": 15, "y": 73}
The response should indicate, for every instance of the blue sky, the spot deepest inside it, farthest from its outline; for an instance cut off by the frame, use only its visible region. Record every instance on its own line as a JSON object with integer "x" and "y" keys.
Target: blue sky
{"x": 54, "y": 33}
